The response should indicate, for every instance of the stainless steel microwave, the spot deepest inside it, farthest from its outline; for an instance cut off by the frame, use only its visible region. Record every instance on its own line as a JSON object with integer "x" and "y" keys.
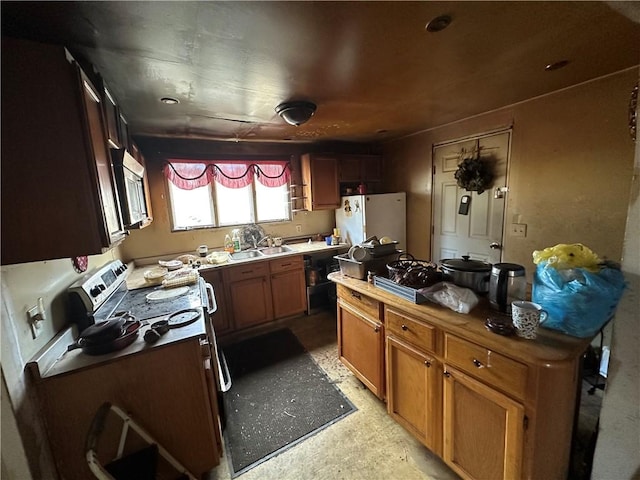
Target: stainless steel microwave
{"x": 129, "y": 175}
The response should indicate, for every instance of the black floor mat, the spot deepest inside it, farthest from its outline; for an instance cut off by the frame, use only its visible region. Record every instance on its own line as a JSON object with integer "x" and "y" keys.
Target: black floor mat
{"x": 279, "y": 397}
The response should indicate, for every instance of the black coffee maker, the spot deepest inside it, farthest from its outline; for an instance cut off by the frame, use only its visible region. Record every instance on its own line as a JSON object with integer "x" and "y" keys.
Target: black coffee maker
{"x": 506, "y": 284}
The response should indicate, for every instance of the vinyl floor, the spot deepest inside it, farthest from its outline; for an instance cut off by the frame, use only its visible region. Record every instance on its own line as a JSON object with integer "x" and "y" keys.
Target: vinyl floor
{"x": 367, "y": 444}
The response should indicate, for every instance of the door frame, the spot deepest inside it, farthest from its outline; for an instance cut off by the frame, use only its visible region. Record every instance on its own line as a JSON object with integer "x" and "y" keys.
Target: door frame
{"x": 477, "y": 136}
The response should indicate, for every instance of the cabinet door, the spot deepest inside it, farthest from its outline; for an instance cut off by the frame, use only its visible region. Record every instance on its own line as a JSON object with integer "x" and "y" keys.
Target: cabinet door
{"x": 361, "y": 347}
{"x": 288, "y": 291}
{"x": 483, "y": 429}
{"x": 251, "y": 301}
{"x": 350, "y": 169}
{"x": 104, "y": 167}
{"x": 413, "y": 392}
{"x": 111, "y": 115}
{"x": 320, "y": 176}
{"x": 56, "y": 169}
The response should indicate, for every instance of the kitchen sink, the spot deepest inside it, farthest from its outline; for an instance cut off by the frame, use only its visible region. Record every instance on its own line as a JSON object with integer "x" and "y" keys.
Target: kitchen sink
{"x": 245, "y": 255}
{"x": 274, "y": 250}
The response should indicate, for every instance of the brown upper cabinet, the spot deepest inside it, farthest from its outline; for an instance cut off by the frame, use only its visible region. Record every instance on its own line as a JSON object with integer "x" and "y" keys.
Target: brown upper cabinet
{"x": 57, "y": 177}
{"x": 360, "y": 168}
{"x": 320, "y": 179}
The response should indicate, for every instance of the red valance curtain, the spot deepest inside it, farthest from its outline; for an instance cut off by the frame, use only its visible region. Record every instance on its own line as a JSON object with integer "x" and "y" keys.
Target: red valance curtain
{"x": 190, "y": 174}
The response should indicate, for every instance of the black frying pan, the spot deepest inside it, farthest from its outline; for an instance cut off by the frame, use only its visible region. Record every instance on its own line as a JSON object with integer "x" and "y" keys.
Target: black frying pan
{"x": 108, "y": 336}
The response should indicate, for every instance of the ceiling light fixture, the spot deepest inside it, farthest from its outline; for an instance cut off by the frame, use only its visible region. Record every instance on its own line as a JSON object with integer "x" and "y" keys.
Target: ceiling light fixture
{"x": 556, "y": 65}
{"x": 169, "y": 100}
{"x": 296, "y": 113}
{"x": 438, "y": 24}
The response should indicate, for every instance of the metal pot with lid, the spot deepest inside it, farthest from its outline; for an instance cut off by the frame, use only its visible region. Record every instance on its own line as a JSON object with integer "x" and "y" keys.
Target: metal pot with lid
{"x": 464, "y": 272}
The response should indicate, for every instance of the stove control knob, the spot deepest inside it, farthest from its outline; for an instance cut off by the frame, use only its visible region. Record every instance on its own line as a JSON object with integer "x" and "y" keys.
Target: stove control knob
{"x": 102, "y": 287}
{"x": 95, "y": 291}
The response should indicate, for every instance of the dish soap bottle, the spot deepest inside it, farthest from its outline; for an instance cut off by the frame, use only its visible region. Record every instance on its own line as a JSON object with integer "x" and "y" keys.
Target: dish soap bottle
{"x": 228, "y": 244}
{"x": 236, "y": 240}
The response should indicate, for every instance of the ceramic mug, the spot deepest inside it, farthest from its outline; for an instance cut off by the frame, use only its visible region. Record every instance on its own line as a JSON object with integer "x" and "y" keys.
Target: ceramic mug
{"x": 203, "y": 250}
{"x": 527, "y": 317}
{"x": 277, "y": 241}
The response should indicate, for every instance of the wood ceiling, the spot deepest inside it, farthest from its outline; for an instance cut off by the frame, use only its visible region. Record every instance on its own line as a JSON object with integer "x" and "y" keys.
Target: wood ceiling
{"x": 371, "y": 67}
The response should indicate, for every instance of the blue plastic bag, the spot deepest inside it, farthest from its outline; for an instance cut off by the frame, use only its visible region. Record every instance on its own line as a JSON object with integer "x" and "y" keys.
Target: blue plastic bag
{"x": 578, "y": 302}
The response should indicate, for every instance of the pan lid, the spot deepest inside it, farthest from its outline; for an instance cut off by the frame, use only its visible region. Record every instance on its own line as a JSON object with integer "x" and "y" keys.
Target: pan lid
{"x": 465, "y": 264}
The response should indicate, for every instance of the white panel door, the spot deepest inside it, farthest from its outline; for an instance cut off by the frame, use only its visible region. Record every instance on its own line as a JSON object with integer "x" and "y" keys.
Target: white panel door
{"x": 478, "y": 233}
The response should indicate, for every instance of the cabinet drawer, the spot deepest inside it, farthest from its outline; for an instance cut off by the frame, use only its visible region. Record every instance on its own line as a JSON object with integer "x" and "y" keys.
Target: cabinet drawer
{"x": 418, "y": 333}
{"x": 286, "y": 263}
{"x": 251, "y": 270}
{"x": 361, "y": 302}
{"x": 501, "y": 372}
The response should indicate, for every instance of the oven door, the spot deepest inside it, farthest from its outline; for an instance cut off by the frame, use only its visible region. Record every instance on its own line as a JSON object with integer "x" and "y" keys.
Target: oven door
{"x": 221, "y": 370}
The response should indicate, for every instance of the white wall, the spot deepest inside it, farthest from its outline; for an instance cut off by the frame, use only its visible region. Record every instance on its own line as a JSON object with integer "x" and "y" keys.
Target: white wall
{"x": 22, "y": 285}
{"x": 617, "y": 453}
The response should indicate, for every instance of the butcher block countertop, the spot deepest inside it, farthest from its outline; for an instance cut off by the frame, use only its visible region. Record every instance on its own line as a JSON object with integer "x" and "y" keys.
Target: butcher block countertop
{"x": 548, "y": 349}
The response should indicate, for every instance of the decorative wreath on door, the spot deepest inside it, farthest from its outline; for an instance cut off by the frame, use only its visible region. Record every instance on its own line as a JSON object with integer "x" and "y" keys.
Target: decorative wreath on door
{"x": 474, "y": 175}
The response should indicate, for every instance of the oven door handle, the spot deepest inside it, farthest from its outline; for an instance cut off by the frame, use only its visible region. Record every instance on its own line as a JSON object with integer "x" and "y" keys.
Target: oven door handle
{"x": 212, "y": 307}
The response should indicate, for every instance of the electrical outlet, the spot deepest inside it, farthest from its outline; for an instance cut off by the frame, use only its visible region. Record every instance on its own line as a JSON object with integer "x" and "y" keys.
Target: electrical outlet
{"x": 298, "y": 228}
{"x": 37, "y": 316}
{"x": 519, "y": 229}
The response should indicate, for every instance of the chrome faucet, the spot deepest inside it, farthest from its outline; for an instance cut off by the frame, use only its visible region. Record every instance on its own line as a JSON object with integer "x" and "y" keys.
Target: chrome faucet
{"x": 266, "y": 237}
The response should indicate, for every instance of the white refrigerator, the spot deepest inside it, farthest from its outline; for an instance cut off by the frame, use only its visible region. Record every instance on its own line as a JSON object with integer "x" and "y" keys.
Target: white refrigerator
{"x": 383, "y": 215}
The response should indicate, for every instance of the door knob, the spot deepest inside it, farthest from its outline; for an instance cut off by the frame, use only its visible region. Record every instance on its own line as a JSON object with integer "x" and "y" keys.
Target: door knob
{"x": 495, "y": 246}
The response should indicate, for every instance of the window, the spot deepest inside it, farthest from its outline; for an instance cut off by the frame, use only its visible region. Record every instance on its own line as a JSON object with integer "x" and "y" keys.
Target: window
{"x": 219, "y": 194}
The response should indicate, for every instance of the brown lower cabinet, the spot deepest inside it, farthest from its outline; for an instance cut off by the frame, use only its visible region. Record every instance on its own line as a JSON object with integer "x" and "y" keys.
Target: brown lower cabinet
{"x": 361, "y": 340}
{"x": 413, "y": 392}
{"x": 249, "y": 294}
{"x": 493, "y": 447}
{"x": 166, "y": 390}
{"x": 492, "y": 407}
{"x": 257, "y": 292}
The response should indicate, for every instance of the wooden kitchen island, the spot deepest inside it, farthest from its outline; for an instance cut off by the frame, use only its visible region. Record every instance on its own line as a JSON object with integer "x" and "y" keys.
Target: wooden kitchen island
{"x": 491, "y": 406}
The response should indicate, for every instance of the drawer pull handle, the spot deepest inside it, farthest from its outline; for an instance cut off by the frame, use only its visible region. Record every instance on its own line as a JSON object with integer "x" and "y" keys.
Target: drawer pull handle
{"x": 376, "y": 329}
{"x": 446, "y": 374}
{"x": 285, "y": 264}
{"x": 404, "y": 327}
{"x": 427, "y": 363}
{"x": 478, "y": 363}
{"x": 355, "y": 295}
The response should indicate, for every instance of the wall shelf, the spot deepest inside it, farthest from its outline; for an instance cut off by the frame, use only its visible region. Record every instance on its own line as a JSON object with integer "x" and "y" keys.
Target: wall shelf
{"x": 295, "y": 197}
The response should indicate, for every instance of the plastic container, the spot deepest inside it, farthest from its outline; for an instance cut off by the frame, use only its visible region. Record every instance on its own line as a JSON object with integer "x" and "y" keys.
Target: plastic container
{"x": 236, "y": 240}
{"x": 359, "y": 270}
{"x": 228, "y": 244}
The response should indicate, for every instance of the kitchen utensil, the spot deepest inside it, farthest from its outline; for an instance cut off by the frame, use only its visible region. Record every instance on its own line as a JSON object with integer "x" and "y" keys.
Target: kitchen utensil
{"x": 359, "y": 254}
{"x": 155, "y": 274}
{"x": 100, "y": 340}
{"x": 526, "y": 317}
{"x": 170, "y": 264}
{"x": 500, "y": 325}
{"x": 464, "y": 272}
{"x": 507, "y": 284}
{"x": 408, "y": 271}
{"x": 183, "y": 317}
{"x": 156, "y": 331}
